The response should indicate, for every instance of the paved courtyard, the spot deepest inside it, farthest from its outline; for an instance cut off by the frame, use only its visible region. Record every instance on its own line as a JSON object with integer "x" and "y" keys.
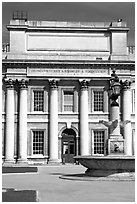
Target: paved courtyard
{"x": 53, "y": 189}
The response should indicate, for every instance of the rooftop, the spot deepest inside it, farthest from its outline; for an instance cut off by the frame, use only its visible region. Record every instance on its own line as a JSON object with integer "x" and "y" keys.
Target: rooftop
{"x": 118, "y": 23}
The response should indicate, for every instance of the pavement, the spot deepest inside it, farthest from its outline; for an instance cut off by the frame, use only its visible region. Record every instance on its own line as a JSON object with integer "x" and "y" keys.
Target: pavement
{"x": 50, "y": 188}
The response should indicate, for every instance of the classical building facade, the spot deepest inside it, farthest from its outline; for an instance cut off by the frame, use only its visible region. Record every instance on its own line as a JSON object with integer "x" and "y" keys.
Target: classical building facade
{"x": 55, "y": 90}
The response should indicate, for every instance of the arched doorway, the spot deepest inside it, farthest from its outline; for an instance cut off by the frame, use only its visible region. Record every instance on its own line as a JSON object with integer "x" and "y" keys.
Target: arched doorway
{"x": 68, "y": 145}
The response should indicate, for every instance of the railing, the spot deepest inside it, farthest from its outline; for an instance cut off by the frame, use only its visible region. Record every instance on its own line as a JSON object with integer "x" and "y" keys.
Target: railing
{"x": 131, "y": 50}
{"x": 20, "y": 15}
{"x": 5, "y": 47}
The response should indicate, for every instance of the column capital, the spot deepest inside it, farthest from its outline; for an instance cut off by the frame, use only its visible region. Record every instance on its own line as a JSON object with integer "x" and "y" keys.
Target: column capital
{"x": 53, "y": 84}
{"x": 84, "y": 84}
{"x": 126, "y": 84}
{"x": 23, "y": 83}
{"x": 9, "y": 83}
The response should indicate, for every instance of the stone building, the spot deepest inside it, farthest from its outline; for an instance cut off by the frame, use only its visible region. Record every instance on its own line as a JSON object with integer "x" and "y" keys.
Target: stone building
{"x": 55, "y": 89}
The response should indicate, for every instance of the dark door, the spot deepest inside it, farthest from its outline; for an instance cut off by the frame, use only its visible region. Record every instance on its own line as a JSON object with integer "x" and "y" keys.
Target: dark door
{"x": 68, "y": 148}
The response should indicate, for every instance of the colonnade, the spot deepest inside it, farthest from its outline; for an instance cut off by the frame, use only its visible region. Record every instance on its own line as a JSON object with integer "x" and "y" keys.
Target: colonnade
{"x": 10, "y": 130}
{"x": 53, "y": 126}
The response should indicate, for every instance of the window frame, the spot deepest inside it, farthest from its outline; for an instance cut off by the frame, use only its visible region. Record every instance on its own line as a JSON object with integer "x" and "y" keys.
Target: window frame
{"x": 44, "y": 143}
{"x": 69, "y": 89}
{"x": 105, "y": 141}
{"x": 32, "y": 99}
{"x": 105, "y": 99}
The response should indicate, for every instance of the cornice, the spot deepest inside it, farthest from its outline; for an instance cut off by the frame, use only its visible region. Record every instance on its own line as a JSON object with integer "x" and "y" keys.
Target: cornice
{"x": 16, "y": 27}
{"x": 66, "y": 63}
{"x": 118, "y": 29}
{"x": 29, "y": 28}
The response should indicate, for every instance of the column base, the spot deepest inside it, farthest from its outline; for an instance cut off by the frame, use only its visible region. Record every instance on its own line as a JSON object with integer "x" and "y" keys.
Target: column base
{"x": 8, "y": 162}
{"x": 54, "y": 161}
{"x": 22, "y": 162}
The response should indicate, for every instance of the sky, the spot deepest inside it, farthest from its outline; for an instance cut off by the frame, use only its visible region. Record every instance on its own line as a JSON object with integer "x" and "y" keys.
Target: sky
{"x": 72, "y": 11}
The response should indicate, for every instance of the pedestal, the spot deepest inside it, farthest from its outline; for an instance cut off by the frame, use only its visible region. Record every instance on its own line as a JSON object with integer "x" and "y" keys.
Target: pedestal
{"x": 116, "y": 146}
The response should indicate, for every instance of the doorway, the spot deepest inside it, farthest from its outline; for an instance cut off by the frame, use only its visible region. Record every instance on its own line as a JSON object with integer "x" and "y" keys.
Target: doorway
{"x": 68, "y": 145}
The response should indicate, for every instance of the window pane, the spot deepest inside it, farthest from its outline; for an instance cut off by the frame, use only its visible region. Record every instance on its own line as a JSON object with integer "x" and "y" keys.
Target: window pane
{"x": 98, "y": 101}
{"x": 72, "y": 148}
{"x": 68, "y": 101}
{"x": 38, "y": 100}
{"x": 38, "y": 142}
{"x": 98, "y": 142}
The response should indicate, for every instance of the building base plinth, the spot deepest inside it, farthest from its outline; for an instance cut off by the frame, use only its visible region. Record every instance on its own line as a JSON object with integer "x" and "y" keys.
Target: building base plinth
{"x": 8, "y": 162}
{"x": 22, "y": 162}
{"x": 54, "y": 161}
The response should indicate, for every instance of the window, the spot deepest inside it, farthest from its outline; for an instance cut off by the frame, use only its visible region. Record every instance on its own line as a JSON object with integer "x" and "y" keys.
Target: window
{"x": 99, "y": 142}
{"x": 68, "y": 101}
{"x": 65, "y": 147}
{"x": 98, "y": 103}
{"x": 38, "y": 100}
{"x": 38, "y": 142}
{"x": 72, "y": 147}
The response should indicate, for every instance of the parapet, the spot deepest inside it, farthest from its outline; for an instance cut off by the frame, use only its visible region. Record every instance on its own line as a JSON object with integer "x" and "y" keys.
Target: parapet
{"x": 65, "y": 24}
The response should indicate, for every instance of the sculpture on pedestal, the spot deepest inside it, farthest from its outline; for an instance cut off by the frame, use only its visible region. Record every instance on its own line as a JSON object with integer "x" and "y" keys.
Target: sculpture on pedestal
{"x": 116, "y": 163}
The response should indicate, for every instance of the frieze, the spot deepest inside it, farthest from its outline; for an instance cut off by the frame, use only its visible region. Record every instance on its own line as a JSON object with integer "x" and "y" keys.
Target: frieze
{"x": 66, "y": 72}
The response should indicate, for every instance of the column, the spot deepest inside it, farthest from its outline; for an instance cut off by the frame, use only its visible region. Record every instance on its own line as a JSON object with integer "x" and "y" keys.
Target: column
{"x": 127, "y": 107}
{"x": 53, "y": 122}
{"x": 9, "y": 143}
{"x": 22, "y": 157}
{"x": 84, "y": 130}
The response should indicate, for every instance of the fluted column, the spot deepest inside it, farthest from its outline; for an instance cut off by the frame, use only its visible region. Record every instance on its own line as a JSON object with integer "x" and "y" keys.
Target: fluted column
{"x": 22, "y": 157}
{"x": 9, "y": 143}
{"x": 84, "y": 130}
{"x": 127, "y": 107}
{"x": 53, "y": 121}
